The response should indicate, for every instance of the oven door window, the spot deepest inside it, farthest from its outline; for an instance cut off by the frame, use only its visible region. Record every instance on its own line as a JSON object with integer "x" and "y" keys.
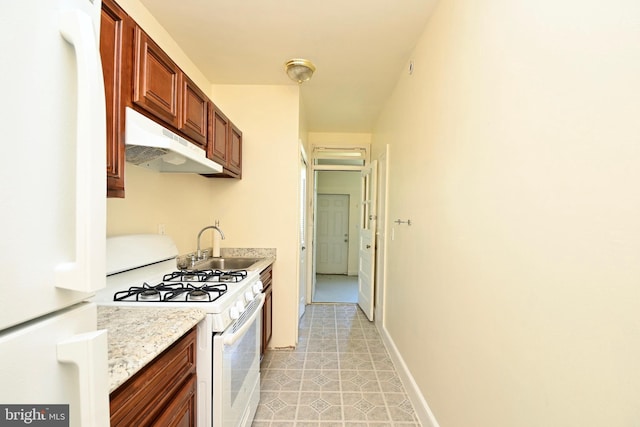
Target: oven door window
{"x": 239, "y": 359}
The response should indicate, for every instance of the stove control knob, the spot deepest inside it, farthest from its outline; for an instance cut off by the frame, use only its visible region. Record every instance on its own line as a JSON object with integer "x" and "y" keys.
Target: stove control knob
{"x": 257, "y": 287}
{"x": 234, "y": 314}
{"x": 240, "y": 307}
{"x": 248, "y": 296}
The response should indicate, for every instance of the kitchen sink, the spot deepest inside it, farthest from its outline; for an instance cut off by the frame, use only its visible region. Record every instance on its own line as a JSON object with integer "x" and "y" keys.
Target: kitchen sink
{"x": 227, "y": 263}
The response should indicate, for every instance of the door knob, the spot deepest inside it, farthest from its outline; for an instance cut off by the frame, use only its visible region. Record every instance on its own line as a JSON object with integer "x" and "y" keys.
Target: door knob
{"x": 368, "y": 246}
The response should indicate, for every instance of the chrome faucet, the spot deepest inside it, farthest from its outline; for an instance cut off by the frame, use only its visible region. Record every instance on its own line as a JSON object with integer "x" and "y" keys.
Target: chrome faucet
{"x": 215, "y": 227}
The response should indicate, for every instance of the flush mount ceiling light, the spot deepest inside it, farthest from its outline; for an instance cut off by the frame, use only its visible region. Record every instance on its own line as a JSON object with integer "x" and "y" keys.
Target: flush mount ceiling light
{"x": 299, "y": 70}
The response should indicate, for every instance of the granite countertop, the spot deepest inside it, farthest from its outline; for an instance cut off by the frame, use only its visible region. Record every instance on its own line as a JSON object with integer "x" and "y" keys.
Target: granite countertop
{"x": 136, "y": 335}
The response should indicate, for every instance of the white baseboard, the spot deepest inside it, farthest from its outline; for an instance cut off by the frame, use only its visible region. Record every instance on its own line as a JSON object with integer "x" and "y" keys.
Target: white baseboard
{"x": 423, "y": 412}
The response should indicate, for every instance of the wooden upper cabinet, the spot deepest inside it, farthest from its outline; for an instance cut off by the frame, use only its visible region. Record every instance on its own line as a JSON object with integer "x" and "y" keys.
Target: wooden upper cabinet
{"x": 193, "y": 114}
{"x": 234, "y": 151}
{"x": 218, "y": 135}
{"x": 156, "y": 80}
{"x": 224, "y": 144}
{"x": 139, "y": 74}
{"x": 116, "y": 51}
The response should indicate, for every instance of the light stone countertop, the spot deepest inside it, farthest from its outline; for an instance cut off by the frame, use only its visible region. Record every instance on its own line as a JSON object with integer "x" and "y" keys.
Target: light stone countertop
{"x": 136, "y": 335}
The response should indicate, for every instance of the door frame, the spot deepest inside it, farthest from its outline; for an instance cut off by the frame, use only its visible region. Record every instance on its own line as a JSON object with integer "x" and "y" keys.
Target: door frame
{"x": 325, "y": 151}
{"x": 382, "y": 234}
{"x": 304, "y": 255}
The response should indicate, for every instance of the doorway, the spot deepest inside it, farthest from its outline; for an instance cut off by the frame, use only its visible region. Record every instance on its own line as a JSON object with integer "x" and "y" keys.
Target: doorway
{"x": 337, "y": 194}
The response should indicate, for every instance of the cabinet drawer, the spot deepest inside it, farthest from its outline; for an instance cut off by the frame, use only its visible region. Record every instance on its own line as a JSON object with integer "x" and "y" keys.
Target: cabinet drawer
{"x": 182, "y": 411}
{"x": 144, "y": 396}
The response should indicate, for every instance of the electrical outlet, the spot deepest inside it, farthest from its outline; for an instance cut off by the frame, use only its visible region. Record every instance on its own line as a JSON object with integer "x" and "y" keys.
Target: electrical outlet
{"x": 161, "y": 229}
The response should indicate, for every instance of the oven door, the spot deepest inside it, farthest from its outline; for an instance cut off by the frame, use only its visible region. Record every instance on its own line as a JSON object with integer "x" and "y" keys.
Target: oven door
{"x": 236, "y": 369}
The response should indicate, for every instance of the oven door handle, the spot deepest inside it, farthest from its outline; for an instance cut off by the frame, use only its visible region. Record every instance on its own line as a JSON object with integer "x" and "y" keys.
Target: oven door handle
{"x": 232, "y": 338}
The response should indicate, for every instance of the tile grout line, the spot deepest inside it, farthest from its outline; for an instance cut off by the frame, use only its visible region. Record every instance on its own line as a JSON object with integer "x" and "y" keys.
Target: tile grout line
{"x": 323, "y": 324}
{"x": 335, "y": 331}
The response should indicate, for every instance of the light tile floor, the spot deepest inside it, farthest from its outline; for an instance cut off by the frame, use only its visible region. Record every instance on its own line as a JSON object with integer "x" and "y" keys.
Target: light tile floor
{"x": 336, "y": 288}
{"x": 339, "y": 375}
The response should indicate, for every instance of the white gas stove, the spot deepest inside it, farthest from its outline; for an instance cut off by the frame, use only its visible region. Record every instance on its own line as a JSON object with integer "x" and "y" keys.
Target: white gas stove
{"x": 142, "y": 271}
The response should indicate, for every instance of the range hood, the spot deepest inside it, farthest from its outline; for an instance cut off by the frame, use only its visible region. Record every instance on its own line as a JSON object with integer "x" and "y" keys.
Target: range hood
{"x": 150, "y": 145}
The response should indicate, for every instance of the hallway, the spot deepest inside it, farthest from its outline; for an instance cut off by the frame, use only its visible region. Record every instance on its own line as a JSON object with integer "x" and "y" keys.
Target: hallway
{"x": 339, "y": 375}
{"x": 336, "y": 288}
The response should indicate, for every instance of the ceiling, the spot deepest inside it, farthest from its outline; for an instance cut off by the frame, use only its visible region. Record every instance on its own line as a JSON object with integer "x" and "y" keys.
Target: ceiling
{"x": 359, "y": 47}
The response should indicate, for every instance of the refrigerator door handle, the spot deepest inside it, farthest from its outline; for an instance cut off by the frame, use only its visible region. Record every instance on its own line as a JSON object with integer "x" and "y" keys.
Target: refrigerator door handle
{"x": 88, "y": 352}
{"x": 86, "y": 273}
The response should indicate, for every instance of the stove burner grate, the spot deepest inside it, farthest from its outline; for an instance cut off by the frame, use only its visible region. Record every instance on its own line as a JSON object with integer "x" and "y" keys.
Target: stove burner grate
{"x": 146, "y": 292}
{"x": 191, "y": 293}
{"x": 231, "y": 276}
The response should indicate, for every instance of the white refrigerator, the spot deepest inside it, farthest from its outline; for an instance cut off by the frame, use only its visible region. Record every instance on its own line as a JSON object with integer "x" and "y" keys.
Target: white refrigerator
{"x": 53, "y": 360}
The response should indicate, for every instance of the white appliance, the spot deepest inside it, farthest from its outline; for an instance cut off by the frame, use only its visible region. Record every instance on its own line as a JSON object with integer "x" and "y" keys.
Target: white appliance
{"x": 150, "y": 145}
{"x": 52, "y": 197}
{"x": 142, "y": 271}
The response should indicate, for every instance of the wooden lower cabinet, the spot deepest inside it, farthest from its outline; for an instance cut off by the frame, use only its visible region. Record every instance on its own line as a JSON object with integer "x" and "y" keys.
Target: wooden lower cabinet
{"x": 266, "y": 276}
{"x": 163, "y": 393}
{"x": 181, "y": 412}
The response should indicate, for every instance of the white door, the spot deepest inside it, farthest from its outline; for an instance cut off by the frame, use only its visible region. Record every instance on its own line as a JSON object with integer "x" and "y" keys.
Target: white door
{"x": 302, "y": 293}
{"x": 381, "y": 236}
{"x": 367, "y": 250}
{"x": 332, "y": 233}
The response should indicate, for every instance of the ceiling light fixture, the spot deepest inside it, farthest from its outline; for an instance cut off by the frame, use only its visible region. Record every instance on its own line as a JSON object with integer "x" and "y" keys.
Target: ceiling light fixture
{"x": 299, "y": 70}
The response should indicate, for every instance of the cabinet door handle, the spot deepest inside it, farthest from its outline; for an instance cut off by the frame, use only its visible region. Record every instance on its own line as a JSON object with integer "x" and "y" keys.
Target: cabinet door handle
{"x": 88, "y": 352}
{"x": 87, "y": 272}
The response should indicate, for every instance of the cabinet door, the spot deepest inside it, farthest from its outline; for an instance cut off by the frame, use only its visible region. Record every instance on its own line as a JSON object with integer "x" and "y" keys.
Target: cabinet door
{"x": 217, "y": 144}
{"x": 156, "y": 80}
{"x": 234, "y": 151}
{"x": 116, "y": 50}
{"x": 267, "y": 318}
{"x": 193, "y": 114}
{"x": 157, "y": 387}
{"x": 181, "y": 412}
{"x": 266, "y": 276}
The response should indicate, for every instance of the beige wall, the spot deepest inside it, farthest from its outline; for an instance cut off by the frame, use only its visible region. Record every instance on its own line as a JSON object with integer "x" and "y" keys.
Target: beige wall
{"x": 261, "y": 210}
{"x": 515, "y": 151}
{"x": 339, "y": 138}
{"x": 182, "y": 203}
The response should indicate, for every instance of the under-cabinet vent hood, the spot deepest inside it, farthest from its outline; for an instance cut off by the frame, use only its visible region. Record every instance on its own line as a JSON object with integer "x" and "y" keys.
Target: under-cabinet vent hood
{"x": 150, "y": 145}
